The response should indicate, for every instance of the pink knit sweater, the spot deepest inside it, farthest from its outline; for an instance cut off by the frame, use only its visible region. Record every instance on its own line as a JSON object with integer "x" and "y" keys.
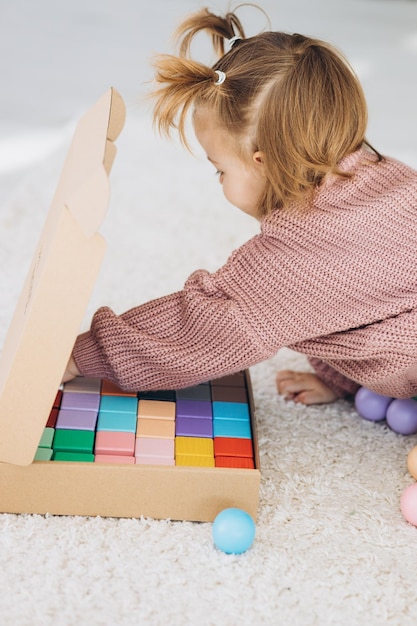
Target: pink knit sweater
{"x": 334, "y": 278}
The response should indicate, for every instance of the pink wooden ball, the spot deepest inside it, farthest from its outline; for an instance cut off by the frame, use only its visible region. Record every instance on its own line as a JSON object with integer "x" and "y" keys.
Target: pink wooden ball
{"x": 408, "y": 504}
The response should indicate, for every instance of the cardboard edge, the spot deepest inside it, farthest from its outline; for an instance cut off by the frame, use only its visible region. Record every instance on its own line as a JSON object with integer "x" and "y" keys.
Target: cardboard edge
{"x": 117, "y": 116}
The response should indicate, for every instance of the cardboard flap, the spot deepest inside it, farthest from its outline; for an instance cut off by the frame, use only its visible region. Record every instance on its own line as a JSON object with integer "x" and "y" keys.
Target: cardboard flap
{"x": 91, "y": 149}
{"x": 58, "y": 285}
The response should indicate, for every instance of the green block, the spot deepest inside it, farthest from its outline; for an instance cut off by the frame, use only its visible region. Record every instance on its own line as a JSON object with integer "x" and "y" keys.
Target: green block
{"x": 43, "y": 454}
{"x": 47, "y": 437}
{"x": 74, "y": 456}
{"x": 73, "y": 441}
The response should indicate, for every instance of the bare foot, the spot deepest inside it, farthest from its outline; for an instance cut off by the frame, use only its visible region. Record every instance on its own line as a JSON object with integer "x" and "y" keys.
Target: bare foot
{"x": 303, "y": 387}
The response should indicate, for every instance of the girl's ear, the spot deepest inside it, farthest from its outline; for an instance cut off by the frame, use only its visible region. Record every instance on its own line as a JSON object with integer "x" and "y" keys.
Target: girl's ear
{"x": 258, "y": 159}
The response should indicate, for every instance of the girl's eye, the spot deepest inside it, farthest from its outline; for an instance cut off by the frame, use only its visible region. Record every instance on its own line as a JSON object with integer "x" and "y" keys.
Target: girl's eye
{"x": 219, "y": 173}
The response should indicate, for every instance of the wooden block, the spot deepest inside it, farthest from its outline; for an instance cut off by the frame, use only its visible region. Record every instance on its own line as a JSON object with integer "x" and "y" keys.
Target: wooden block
{"x": 111, "y": 389}
{"x": 229, "y": 394}
{"x": 81, "y": 401}
{"x": 194, "y": 461}
{"x": 73, "y": 441}
{"x": 234, "y": 461}
{"x": 192, "y": 427}
{"x": 193, "y": 446}
{"x": 117, "y": 422}
{"x": 194, "y": 408}
{"x": 76, "y": 419}
{"x": 231, "y": 428}
{"x": 155, "y": 428}
{"x": 118, "y": 404}
{"x": 78, "y": 457}
{"x": 156, "y": 409}
{"x": 47, "y": 438}
{"x": 233, "y": 380}
{"x": 114, "y": 458}
{"x": 154, "y": 447}
{"x": 198, "y": 392}
{"x": 231, "y": 411}
{"x": 83, "y": 384}
{"x": 115, "y": 443}
{"x": 154, "y": 460}
{"x": 43, "y": 454}
{"x": 233, "y": 446}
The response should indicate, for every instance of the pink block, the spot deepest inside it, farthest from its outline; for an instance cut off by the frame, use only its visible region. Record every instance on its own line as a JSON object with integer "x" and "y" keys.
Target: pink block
{"x": 114, "y": 458}
{"x": 118, "y": 443}
{"x": 147, "y": 446}
{"x": 154, "y": 460}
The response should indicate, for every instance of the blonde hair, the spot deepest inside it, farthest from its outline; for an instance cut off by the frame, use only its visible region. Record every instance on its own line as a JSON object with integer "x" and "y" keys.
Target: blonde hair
{"x": 297, "y": 99}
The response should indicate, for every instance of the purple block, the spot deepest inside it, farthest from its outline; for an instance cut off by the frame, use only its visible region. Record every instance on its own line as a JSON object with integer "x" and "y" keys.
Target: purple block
{"x": 80, "y": 401}
{"x": 191, "y": 427}
{"x": 194, "y": 408}
{"x": 76, "y": 419}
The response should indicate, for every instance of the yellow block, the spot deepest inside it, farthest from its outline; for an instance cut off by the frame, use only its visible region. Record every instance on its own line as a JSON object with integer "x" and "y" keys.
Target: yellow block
{"x": 196, "y": 461}
{"x": 194, "y": 446}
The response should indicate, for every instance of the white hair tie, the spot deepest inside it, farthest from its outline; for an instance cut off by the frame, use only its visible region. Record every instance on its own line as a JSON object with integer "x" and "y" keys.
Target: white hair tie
{"x": 231, "y": 42}
{"x": 221, "y": 77}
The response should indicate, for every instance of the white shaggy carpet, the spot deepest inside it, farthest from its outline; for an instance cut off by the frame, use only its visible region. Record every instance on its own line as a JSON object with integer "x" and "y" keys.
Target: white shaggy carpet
{"x": 331, "y": 546}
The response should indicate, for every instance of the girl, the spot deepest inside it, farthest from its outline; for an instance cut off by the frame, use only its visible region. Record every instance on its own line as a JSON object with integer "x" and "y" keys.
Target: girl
{"x": 332, "y": 274}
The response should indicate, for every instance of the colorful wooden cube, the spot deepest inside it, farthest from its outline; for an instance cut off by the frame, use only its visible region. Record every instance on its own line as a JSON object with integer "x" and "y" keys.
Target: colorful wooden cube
{"x": 194, "y": 409}
{"x": 156, "y": 409}
{"x": 76, "y": 419}
{"x": 115, "y": 443}
{"x": 73, "y": 441}
{"x": 122, "y": 422}
{"x": 155, "y": 428}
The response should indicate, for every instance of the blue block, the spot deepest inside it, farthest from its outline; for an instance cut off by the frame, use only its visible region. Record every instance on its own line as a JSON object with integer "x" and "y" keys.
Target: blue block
{"x": 117, "y": 422}
{"x": 231, "y": 428}
{"x": 231, "y": 411}
{"x": 119, "y": 404}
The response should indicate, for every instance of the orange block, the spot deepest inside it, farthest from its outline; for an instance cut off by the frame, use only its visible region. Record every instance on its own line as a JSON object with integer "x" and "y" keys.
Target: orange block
{"x": 111, "y": 389}
{"x": 155, "y": 428}
{"x": 235, "y": 462}
{"x": 233, "y": 446}
{"x": 156, "y": 409}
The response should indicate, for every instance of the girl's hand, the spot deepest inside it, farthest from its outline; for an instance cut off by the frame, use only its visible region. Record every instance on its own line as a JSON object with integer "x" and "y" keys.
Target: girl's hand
{"x": 71, "y": 372}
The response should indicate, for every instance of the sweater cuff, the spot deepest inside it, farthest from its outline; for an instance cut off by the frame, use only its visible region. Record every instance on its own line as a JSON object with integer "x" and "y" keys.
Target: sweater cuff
{"x": 88, "y": 357}
{"x": 342, "y": 386}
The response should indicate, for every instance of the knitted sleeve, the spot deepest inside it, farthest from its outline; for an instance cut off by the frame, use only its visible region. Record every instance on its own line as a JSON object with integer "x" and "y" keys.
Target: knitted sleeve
{"x": 211, "y": 328}
{"x": 341, "y": 385}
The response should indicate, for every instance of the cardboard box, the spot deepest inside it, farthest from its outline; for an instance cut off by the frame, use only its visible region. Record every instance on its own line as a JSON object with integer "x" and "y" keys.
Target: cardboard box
{"x": 43, "y": 330}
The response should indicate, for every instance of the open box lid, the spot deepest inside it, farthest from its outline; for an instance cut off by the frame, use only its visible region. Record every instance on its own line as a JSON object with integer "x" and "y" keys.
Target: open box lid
{"x": 59, "y": 283}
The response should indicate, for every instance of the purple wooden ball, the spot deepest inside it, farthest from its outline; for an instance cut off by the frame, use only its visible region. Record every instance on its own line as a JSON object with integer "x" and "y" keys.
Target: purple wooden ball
{"x": 402, "y": 416}
{"x": 370, "y": 405}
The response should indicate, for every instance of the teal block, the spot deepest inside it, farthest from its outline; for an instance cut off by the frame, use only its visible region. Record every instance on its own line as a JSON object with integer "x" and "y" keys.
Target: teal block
{"x": 118, "y": 404}
{"x": 47, "y": 437}
{"x": 231, "y": 411}
{"x": 43, "y": 454}
{"x": 231, "y": 428}
{"x": 117, "y": 422}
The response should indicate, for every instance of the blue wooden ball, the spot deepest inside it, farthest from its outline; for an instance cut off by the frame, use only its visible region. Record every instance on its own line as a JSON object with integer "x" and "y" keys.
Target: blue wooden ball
{"x": 233, "y": 531}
